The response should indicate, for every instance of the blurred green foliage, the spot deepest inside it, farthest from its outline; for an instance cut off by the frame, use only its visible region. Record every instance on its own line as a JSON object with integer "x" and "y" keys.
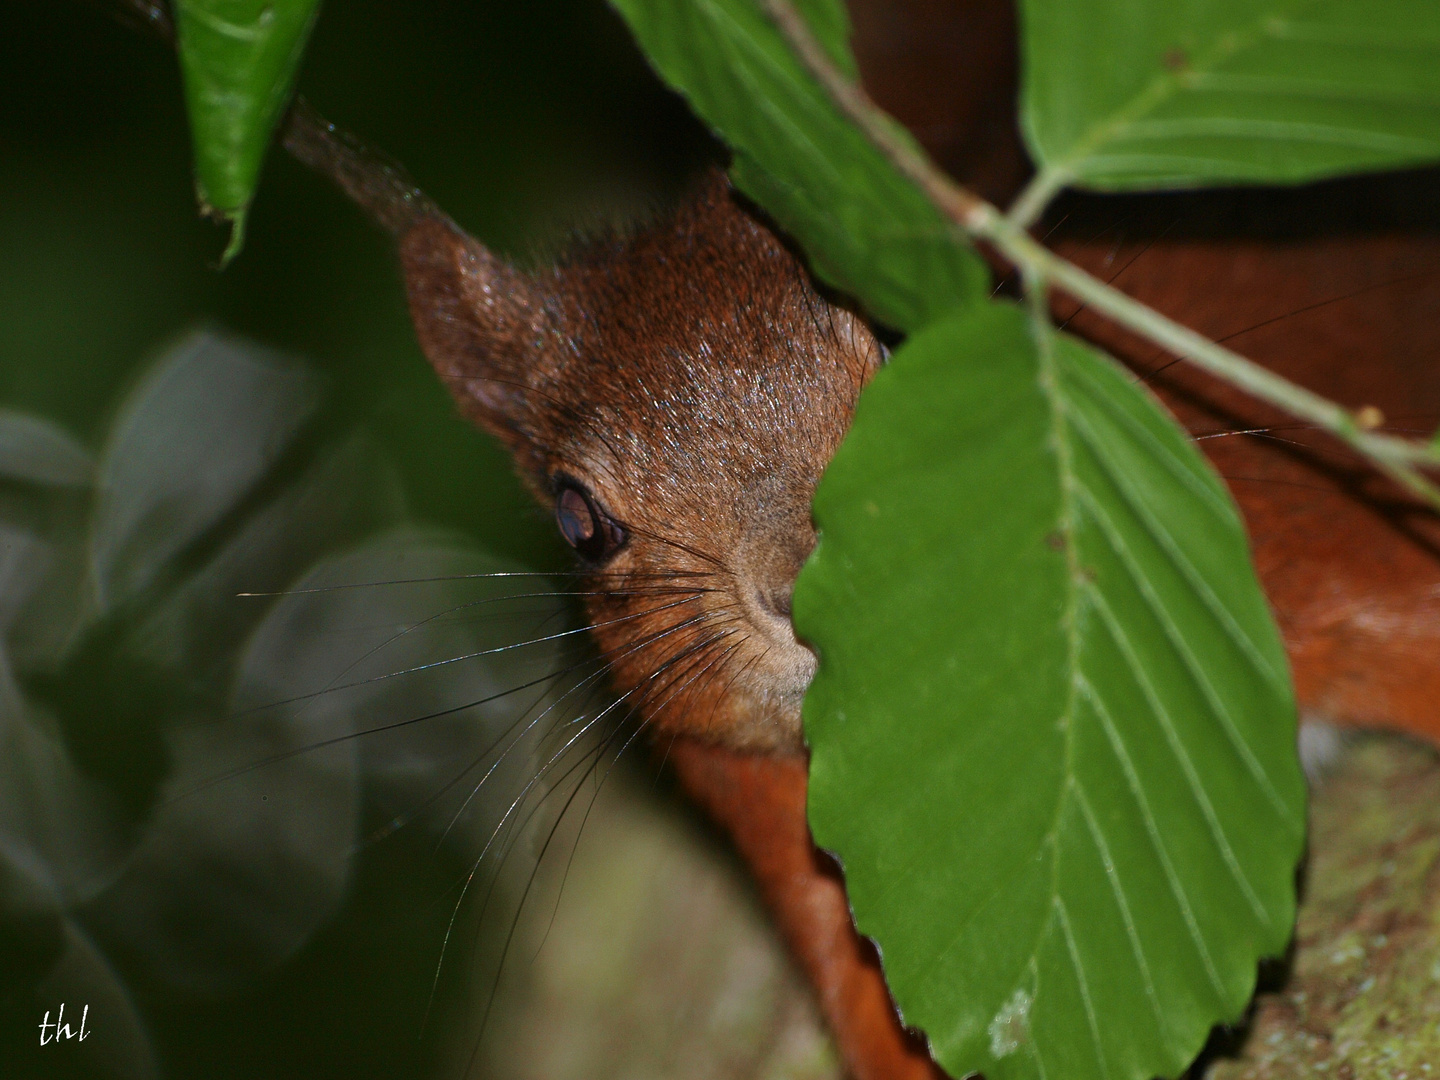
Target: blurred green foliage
{"x": 528, "y": 123}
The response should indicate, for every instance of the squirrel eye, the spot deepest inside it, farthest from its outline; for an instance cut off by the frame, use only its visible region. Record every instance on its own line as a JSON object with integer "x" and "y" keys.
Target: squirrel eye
{"x": 585, "y": 527}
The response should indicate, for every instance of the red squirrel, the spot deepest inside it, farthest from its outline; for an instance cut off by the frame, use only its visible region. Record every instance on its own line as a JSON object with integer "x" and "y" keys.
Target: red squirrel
{"x": 674, "y": 397}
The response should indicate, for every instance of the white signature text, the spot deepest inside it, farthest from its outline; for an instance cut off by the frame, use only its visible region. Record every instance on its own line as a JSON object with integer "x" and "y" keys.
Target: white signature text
{"x": 61, "y": 1029}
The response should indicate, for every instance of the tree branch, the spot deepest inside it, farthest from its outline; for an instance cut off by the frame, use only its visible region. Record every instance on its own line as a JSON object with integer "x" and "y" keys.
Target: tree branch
{"x": 1396, "y": 457}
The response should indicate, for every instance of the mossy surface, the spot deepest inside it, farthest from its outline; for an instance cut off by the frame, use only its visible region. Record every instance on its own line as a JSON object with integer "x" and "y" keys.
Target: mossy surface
{"x": 1362, "y": 996}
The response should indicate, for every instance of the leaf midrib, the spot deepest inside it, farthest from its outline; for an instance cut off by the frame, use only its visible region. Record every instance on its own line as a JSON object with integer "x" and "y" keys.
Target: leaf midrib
{"x": 1065, "y": 427}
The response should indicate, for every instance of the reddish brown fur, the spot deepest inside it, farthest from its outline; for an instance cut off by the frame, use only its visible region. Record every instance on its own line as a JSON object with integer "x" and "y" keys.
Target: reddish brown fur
{"x": 694, "y": 380}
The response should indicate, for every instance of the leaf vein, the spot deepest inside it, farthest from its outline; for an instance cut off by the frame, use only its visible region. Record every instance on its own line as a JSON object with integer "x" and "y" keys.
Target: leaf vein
{"x": 1162, "y": 536}
{"x": 1235, "y": 127}
{"x": 1117, "y": 891}
{"x": 1182, "y": 757}
{"x": 1190, "y": 475}
{"x": 1072, "y": 949}
{"x": 1312, "y": 89}
{"x": 1033, "y": 1045}
{"x": 1137, "y": 791}
{"x": 1182, "y": 648}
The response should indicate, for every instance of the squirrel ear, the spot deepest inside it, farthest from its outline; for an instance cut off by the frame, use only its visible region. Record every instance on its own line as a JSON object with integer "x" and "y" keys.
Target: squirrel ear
{"x": 476, "y": 316}
{"x": 478, "y": 321}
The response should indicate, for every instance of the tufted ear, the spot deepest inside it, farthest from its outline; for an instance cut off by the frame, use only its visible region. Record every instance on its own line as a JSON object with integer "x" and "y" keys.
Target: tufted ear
{"x": 479, "y": 321}
{"x": 478, "y": 318}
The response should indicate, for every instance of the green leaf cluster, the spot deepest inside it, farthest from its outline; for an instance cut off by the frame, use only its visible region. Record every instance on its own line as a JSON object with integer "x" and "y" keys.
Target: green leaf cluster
{"x": 181, "y": 789}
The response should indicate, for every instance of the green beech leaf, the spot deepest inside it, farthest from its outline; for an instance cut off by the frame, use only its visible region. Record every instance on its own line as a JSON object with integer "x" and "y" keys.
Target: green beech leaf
{"x": 238, "y": 59}
{"x": 1124, "y": 95}
{"x": 1052, "y": 735}
{"x": 866, "y": 228}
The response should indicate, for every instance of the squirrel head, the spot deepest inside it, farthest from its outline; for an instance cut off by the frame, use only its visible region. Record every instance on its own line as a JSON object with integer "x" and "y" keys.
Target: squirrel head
{"x": 673, "y": 396}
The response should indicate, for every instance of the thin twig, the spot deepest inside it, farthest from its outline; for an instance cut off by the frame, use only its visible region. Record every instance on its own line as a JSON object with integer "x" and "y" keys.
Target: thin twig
{"x": 1394, "y": 456}
{"x": 1036, "y": 196}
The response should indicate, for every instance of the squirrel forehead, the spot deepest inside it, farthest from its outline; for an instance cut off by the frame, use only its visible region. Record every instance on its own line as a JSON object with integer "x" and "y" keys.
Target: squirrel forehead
{"x": 695, "y": 355}
{"x": 701, "y": 352}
